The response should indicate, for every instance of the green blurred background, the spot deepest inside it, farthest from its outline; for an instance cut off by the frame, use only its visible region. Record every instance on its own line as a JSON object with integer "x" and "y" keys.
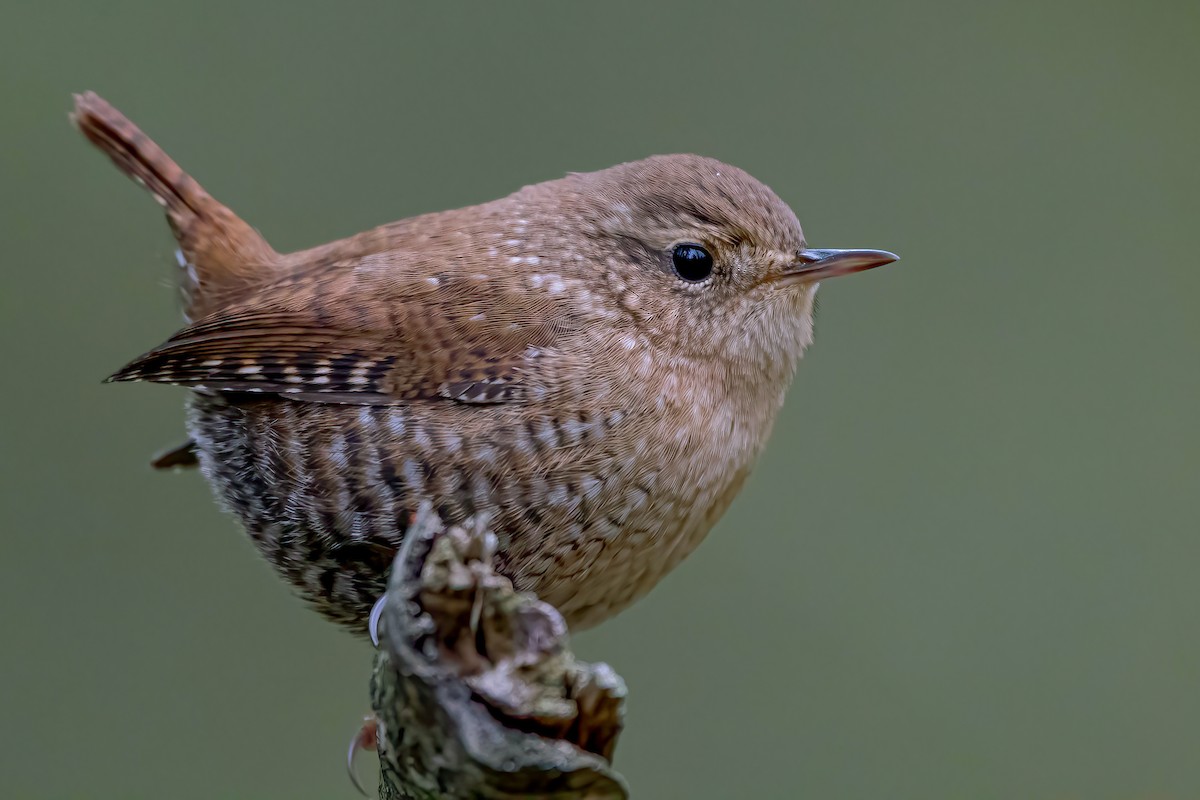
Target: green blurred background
{"x": 966, "y": 565}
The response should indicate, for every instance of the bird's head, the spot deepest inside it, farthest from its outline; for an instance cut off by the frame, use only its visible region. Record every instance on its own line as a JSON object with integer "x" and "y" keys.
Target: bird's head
{"x": 704, "y": 259}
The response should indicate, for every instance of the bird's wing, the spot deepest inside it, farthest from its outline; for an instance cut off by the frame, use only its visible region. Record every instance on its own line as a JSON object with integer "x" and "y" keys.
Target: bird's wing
{"x": 364, "y": 336}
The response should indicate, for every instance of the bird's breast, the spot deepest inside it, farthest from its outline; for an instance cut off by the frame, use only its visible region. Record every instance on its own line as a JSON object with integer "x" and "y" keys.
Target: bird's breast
{"x": 595, "y": 496}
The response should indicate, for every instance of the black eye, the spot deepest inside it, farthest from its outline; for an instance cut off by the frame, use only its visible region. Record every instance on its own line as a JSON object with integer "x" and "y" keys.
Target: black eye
{"x": 692, "y": 262}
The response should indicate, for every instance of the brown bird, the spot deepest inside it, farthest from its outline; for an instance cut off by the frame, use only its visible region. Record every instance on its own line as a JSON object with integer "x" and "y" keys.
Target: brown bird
{"x": 593, "y": 362}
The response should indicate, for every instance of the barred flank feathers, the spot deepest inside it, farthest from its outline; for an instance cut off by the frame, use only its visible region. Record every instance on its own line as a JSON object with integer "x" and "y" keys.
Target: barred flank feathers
{"x": 282, "y": 369}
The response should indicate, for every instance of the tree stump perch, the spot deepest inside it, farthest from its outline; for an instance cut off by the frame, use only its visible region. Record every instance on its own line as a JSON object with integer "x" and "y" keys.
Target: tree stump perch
{"x": 476, "y": 692}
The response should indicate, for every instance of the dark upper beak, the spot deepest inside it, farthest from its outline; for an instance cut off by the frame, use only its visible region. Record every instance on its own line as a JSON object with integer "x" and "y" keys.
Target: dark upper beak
{"x": 816, "y": 265}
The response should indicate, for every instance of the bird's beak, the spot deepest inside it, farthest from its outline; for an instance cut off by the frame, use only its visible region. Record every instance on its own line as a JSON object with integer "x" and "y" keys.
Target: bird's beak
{"x": 816, "y": 265}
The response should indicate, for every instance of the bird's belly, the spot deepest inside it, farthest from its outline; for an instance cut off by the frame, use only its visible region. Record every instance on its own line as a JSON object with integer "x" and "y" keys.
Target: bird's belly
{"x": 586, "y": 520}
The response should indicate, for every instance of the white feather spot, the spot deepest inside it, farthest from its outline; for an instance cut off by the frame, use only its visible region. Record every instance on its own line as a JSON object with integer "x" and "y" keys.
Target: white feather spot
{"x": 486, "y": 453}
{"x": 395, "y": 423}
{"x": 574, "y": 430}
{"x": 422, "y": 438}
{"x": 412, "y": 476}
{"x": 545, "y": 434}
{"x": 636, "y": 498}
{"x": 591, "y": 486}
{"x": 523, "y": 445}
{"x": 558, "y": 495}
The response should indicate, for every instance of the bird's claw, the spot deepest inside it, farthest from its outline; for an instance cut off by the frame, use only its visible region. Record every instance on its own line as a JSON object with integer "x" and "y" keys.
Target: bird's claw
{"x": 373, "y": 620}
{"x": 367, "y": 738}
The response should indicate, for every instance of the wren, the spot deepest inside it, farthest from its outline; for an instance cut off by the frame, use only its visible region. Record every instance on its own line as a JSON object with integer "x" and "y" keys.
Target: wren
{"x": 594, "y": 363}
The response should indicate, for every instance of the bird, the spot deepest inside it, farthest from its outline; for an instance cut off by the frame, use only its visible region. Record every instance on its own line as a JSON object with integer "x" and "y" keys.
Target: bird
{"x": 592, "y": 364}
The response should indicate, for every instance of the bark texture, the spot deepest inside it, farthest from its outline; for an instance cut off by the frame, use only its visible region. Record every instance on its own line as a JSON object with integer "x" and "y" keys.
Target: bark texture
{"x": 475, "y": 689}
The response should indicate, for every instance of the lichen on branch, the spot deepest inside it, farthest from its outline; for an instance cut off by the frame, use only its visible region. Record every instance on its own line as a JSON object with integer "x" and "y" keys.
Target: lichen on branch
{"x": 475, "y": 689}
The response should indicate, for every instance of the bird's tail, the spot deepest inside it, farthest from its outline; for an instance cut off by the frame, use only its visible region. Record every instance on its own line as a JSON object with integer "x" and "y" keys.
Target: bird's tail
{"x": 220, "y": 253}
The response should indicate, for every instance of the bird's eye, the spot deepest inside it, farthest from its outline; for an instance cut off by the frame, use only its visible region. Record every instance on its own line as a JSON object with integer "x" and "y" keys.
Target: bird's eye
{"x": 692, "y": 262}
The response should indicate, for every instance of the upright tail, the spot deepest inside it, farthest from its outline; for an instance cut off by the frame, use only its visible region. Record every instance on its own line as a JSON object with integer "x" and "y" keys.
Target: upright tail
{"x": 221, "y": 254}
